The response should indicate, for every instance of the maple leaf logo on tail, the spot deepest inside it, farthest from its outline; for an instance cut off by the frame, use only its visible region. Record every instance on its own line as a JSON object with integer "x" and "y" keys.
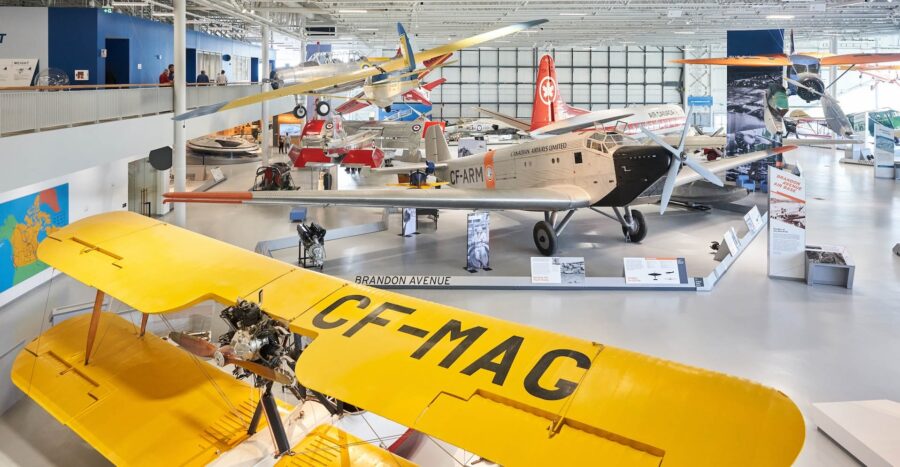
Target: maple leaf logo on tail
{"x": 548, "y": 90}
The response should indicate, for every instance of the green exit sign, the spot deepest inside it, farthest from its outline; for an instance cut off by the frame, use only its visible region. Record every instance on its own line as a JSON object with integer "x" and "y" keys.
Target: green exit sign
{"x": 107, "y": 9}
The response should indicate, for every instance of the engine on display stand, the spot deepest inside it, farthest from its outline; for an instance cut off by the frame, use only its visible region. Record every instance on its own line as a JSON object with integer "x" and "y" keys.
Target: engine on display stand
{"x": 312, "y": 245}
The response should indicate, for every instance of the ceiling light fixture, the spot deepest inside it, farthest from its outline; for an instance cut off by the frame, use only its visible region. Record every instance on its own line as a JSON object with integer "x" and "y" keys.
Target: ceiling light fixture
{"x": 162, "y": 14}
{"x": 684, "y": 32}
{"x": 572, "y": 14}
{"x": 353, "y": 11}
{"x": 780, "y": 17}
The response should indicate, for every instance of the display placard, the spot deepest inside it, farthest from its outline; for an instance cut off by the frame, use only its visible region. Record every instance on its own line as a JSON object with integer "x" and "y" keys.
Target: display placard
{"x": 478, "y": 249}
{"x": 655, "y": 271}
{"x": 557, "y": 270}
{"x": 82, "y": 75}
{"x": 787, "y": 225}
{"x": 884, "y": 151}
{"x": 753, "y": 219}
{"x": 17, "y": 71}
{"x": 408, "y": 227}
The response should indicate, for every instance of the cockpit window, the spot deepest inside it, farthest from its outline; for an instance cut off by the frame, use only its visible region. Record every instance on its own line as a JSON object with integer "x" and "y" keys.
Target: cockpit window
{"x": 814, "y": 68}
{"x": 799, "y": 68}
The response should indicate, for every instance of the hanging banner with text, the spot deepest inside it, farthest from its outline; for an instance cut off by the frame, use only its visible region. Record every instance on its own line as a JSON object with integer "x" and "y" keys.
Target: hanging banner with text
{"x": 787, "y": 225}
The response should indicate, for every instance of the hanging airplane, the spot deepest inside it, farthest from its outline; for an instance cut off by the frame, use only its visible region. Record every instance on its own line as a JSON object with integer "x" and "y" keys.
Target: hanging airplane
{"x": 804, "y": 75}
{"x": 510, "y": 393}
{"x": 382, "y": 80}
{"x": 556, "y": 174}
{"x": 421, "y": 94}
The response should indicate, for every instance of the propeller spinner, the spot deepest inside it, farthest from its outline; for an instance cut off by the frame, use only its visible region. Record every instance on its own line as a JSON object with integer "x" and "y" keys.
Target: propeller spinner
{"x": 677, "y": 159}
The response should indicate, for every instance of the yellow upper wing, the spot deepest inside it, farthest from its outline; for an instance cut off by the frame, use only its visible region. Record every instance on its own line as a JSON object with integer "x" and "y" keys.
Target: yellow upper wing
{"x": 511, "y": 393}
{"x": 762, "y": 60}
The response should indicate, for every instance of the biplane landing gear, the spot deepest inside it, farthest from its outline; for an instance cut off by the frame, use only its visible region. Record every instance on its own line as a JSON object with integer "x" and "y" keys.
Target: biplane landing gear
{"x": 299, "y": 111}
{"x": 546, "y": 232}
{"x": 269, "y": 407}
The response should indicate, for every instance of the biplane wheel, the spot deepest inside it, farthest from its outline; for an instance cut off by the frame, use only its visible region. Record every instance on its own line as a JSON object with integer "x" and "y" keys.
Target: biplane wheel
{"x": 545, "y": 238}
{"x": 638, "y": 228}
{"x": 322, "y": 108}
{"x": 299, "y": 111}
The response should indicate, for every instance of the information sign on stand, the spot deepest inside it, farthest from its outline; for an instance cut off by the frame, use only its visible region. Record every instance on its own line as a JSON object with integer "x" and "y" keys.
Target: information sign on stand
{"x": 884, "y": 151}
{"x": 17, "y": 71}
{"x": 787, "y": 225}
{"x": 564, "y": 270}
{"x": 478, "y": 249}
{"x": 655, "y": 271}
{"x": 408, "y": 227}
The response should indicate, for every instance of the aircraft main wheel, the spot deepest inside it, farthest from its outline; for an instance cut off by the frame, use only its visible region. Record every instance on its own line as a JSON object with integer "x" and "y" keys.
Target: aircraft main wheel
{"x": 544, "y": 238}
{"x": 322, "y": 108}
{"x": 299, "y": 111}
{"x": 638, "y": 228}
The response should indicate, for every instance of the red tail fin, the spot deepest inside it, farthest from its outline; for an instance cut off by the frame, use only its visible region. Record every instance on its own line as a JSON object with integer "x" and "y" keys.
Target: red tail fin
{"x": 549, "y": 105}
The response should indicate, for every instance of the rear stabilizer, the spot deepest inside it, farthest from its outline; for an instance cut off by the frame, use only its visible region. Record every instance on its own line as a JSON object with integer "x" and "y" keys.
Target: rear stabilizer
{"x": 549, "y": 105}
{"x": 436, "y": 149}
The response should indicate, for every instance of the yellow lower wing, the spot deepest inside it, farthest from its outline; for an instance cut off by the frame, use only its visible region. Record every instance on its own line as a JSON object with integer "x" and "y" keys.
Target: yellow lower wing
{"x": 141, "y": 401}
{"x": 511, "y": 393}
{"x": 329, "y": 446}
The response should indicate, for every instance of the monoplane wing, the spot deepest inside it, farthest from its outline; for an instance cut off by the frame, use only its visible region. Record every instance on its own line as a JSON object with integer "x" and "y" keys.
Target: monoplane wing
{"x": 511, "y": 121}
{"x": 687, "y": 175}
{"x": 580, "y": 122}
{"x": 359, "y": 76}
{"x": 513, "y": 394}
{"x": 860, "y": 59}
{"x": 555, "y": 198}
{"x": 760, "y": 60}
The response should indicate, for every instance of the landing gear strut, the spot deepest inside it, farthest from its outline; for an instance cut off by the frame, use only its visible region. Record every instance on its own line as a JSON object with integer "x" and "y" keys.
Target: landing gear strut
{"x": 634, "y": 227}
{"x": 546, "y": 232}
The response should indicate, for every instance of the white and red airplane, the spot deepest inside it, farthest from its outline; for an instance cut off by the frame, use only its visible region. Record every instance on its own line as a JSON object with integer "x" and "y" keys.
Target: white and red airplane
{"x": 551, "y": 115}
{"x": 421, "y": 94}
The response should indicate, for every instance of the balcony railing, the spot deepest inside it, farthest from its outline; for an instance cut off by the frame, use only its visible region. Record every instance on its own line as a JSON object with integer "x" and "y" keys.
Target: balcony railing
{"x": 31, "y": 109}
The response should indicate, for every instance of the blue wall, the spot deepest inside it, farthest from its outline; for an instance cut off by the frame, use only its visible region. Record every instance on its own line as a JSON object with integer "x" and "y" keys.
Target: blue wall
{"x": 78, "y": 34}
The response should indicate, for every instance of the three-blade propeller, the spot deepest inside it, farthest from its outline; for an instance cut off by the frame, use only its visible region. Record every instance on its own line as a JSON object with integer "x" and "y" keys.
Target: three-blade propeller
{"x": 678, "y": 158}
{"x": 225, "y": 356}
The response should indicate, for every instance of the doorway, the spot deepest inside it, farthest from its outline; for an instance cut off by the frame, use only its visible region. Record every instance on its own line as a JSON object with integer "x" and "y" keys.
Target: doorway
{"x": 143, "y": 188}
{"x": 117, "y": 59}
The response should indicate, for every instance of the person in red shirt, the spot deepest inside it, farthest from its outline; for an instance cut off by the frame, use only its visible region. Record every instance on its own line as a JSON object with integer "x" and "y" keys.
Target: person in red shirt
{"x": 168, "y": 75}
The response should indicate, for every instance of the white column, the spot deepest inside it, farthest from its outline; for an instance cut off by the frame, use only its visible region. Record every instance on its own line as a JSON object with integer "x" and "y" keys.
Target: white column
{"x": 265, "y": 117}
{"x": 834, "y": 70}
{"x": 179, "y": 156}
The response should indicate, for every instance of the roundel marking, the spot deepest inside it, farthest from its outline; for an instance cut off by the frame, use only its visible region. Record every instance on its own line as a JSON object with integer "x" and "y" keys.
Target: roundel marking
{"x": 548, "y": 90}
{"x": 416, "y": 127}
{"x": 329, "y": 126}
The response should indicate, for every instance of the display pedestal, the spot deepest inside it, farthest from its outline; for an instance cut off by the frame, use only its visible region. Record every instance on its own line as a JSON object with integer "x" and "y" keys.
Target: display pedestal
{"x": 868, "y": 430}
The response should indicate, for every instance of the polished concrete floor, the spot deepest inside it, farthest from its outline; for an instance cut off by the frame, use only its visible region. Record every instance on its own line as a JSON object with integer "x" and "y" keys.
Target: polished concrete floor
{"x": 813, "y": 343}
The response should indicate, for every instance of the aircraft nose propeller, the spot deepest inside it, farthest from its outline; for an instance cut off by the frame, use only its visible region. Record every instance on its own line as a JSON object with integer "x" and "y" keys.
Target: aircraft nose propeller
{"x": 678, "y": 157}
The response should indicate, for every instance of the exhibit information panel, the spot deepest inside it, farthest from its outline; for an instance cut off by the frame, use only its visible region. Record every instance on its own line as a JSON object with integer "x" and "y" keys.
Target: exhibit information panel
{"x": 655, "y": 271}
{"x": 478, "y": 249}
{"x": 17, "y": 71}
{"x": 884, "y": 151}
{"x": 557, "y": 270}
{"x": 787, "y": 225}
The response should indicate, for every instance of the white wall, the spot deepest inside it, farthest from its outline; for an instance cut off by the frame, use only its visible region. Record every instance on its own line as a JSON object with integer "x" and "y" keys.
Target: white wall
{"x": 23, "y": 308}
{"x": 26, "y": 33}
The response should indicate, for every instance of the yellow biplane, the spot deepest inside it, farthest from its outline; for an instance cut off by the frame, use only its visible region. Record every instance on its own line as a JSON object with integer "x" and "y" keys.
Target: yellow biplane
{"x": 510, "y": 393}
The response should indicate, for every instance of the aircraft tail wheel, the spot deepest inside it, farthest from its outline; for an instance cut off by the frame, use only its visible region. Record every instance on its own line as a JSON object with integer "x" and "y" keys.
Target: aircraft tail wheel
{"x": 299, "y": 111}
{"x": 322, "y": 108}
{"x": 637, "y": 230}
{"x": 545, "y": 238}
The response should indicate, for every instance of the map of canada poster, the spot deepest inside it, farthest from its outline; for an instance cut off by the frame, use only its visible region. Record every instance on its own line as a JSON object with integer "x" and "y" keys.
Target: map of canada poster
{"x": 24, "y": 222}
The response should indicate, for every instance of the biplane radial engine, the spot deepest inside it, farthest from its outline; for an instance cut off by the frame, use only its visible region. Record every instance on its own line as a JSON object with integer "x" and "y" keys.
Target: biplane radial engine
{"x": 507, "y": 392}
